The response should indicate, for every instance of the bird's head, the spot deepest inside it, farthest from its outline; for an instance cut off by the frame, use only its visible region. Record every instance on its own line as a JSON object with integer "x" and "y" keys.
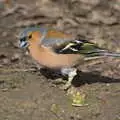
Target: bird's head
{"x": 29, "y": 36}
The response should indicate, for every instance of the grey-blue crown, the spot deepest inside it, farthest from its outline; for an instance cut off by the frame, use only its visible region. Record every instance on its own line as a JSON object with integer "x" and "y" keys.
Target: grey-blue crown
{"x": 31, "y": 29}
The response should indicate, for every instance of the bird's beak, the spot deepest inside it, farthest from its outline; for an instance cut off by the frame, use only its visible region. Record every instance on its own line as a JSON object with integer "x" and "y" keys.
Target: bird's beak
{"x": 23, "y": 43}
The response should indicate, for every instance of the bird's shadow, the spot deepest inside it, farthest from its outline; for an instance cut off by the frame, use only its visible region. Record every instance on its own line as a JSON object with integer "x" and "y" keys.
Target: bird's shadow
{"x": 81, "y": 78}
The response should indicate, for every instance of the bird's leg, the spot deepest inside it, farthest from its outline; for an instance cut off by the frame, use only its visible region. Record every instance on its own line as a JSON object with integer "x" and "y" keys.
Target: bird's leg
{"x": 72, "y": 72}
{"x": 71, "y": 76}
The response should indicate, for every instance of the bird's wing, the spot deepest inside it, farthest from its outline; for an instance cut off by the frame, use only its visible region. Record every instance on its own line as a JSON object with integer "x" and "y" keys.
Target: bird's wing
{"x": 80, "y": 47}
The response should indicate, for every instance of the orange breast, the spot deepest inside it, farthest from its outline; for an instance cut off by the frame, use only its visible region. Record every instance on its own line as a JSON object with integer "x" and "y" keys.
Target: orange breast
{"x": 50, "y": 59}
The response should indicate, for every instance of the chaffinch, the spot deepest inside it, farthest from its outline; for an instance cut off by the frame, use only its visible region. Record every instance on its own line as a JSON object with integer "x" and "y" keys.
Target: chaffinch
{"x": 56, "y": 50}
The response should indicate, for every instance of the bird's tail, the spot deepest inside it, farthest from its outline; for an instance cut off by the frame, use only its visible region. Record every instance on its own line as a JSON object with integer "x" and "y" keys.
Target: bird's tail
{"x": 111, "y": 54}
{"x": 102, "y": 53}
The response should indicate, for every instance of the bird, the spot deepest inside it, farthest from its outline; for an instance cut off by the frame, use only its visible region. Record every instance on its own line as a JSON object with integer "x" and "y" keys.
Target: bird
{"x": 56, "y": 50}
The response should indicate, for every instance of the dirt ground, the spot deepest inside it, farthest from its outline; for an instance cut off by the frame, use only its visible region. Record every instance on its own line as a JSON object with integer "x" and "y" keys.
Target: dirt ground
{"x": 31, "y": 95}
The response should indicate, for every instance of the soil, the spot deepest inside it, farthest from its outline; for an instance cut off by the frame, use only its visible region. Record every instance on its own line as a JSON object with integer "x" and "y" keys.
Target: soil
{"x": 28, "y": 94}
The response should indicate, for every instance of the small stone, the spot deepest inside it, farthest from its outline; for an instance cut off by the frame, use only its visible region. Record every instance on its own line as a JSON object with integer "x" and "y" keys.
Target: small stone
{"x": 15, "y": 57}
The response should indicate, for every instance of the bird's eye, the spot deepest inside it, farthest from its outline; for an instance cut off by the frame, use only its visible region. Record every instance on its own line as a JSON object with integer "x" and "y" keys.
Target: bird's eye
{"x": 30, "y": 36}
